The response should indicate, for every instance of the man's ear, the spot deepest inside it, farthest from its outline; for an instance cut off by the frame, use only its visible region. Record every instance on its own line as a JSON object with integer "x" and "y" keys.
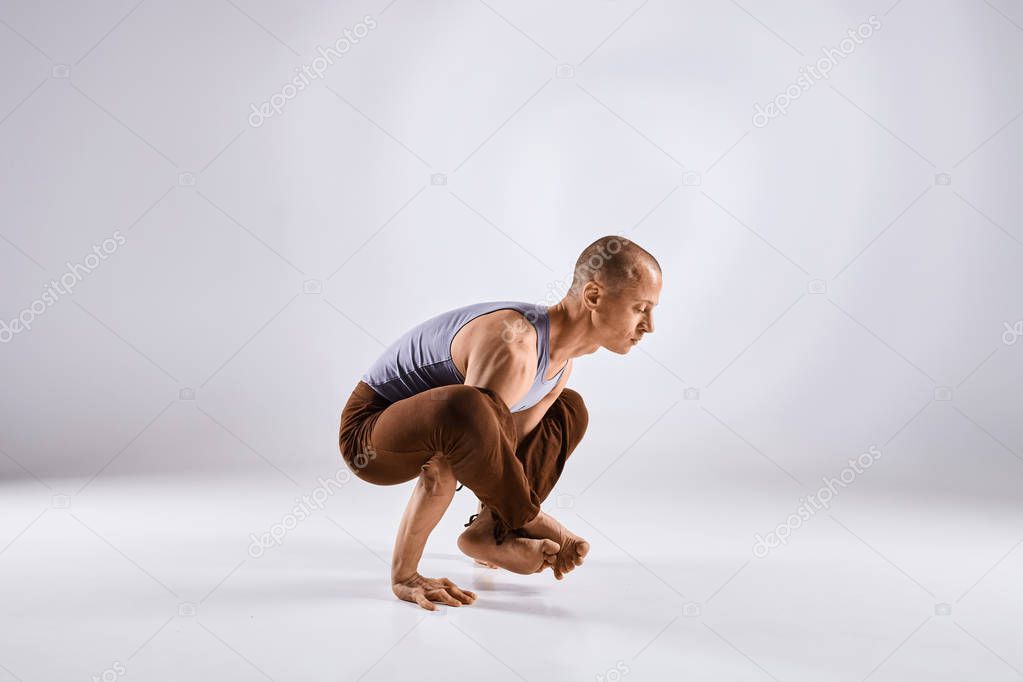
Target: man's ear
{"x": 592, "y": 294}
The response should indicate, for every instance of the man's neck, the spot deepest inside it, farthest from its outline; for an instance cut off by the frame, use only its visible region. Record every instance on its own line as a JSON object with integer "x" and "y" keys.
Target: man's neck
{"x": 570, "y": 332}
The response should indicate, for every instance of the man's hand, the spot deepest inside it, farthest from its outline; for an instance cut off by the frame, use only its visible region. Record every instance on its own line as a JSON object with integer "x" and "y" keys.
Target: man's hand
{"x": 425, "y": 591}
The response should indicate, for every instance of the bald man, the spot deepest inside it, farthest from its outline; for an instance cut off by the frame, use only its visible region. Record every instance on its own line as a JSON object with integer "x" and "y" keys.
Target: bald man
{"x": 477, "y": 395}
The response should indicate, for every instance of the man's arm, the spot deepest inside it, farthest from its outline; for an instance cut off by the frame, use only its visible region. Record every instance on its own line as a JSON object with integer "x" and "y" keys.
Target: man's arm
{"x": 526, "y": 420}
{"x": 505, "y": 366}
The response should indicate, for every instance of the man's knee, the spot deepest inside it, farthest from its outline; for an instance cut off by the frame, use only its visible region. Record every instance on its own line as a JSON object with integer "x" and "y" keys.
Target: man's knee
{"x": 465, "y": 399}
{"x": 470, "y": 409}
{"x": 437, "y": 477}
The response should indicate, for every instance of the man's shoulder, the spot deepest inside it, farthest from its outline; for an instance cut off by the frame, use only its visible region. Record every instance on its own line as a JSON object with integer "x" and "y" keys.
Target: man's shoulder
{"x": 500, "y": 336}
{"x": 506, "y": 326}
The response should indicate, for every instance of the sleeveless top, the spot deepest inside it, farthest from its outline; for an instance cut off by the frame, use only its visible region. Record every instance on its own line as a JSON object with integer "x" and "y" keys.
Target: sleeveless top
{"x": 421, "y": 357}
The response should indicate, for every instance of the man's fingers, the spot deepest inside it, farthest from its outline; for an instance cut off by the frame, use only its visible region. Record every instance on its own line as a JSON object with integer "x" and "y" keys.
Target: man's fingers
{"x": 465, "y": 596}
{"x": 423, "y": 601}
{"x": 441, "y": 595}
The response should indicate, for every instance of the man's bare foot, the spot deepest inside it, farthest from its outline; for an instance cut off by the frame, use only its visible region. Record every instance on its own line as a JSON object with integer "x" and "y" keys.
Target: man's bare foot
{"x": 518, "y": 555}
{"x": 484, "y": 564}
{"x": 573, "y": 548}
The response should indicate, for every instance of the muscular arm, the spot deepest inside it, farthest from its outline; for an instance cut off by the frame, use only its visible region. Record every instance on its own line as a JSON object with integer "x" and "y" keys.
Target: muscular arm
{"x": 502, "y": 357}
{"x": 504, "y": 365}
{"x": 526, "y": 420}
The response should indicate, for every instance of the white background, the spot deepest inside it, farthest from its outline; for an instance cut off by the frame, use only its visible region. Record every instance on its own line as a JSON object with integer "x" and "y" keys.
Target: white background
{"x": 837, "y": 279}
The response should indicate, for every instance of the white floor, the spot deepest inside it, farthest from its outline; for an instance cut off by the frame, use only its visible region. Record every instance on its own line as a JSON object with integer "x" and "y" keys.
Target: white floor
{"x": 154, "y": 579}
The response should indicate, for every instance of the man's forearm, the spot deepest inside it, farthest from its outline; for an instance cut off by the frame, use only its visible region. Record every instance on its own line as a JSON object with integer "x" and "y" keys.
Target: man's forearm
{"x": 411, "y": 539}
{"x": 526, "y": 420}
{"x": 430, "y": 498}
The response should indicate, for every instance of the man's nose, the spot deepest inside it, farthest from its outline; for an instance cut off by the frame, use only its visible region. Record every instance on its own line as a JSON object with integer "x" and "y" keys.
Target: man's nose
{"x": 649, "y": 324}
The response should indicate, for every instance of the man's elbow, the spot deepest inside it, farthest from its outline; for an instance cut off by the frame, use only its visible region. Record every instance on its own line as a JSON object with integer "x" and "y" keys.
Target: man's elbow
{"x": 528, "y": 419}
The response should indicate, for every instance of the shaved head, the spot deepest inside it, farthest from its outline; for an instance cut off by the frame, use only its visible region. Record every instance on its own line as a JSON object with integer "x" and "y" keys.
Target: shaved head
{"x": 614, "y": 262}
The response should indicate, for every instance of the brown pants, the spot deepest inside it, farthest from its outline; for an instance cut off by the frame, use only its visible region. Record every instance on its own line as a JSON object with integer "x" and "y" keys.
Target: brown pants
{"x": 387, "y": 443}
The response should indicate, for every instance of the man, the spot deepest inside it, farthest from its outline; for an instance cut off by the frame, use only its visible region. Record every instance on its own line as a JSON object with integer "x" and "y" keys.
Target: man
{"x": 477, "y": 395}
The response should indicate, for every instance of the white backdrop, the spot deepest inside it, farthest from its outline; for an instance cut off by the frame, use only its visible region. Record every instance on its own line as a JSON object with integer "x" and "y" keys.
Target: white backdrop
{"x": 224, "y": 223}
{"x": 843, "y": 275}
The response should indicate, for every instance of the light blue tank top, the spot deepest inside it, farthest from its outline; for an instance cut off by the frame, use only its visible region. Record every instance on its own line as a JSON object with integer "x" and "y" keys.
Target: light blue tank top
{"x": 421, "y": 357}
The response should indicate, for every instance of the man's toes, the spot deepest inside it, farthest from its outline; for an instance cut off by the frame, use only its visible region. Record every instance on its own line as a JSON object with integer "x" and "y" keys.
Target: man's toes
{"x": 582, "y": 548}
{"x": 549, "y": 547}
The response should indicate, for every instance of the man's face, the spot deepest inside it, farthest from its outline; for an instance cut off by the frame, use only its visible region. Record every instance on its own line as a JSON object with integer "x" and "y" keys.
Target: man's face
{"x": 625, "y": 317}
